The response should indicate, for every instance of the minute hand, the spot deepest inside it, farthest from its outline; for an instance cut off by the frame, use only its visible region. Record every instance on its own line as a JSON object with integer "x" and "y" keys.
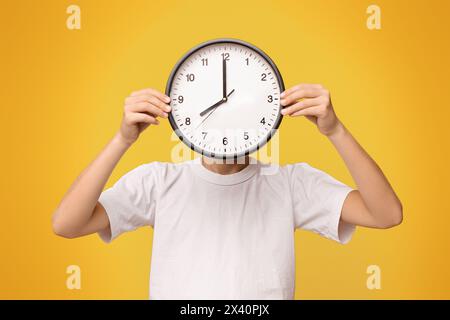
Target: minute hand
{"x": 224, "y": 79}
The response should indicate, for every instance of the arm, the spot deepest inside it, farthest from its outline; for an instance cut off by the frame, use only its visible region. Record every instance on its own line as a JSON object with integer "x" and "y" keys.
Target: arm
{"x": 79, "y": 212}
{"x": 375, "y": 203}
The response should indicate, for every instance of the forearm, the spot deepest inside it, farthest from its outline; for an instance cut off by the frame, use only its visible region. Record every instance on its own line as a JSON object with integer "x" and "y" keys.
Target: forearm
{"x": 77, "y": 206}
{"x": 374, "y": 188}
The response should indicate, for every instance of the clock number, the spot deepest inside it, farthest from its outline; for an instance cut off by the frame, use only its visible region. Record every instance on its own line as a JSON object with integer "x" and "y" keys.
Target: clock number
{"x": 225, "y": 141}
{"x": 204, "y": 61}
{"x": 226, "y": 56}
{"x": 180, "y": 99}
{"x": 269, "y": 98}
{"x": 187, "y": 121}
{"x": 190, "y": 77}
{"x": 263, "y": 77}
{"x": 263, "y": 120}
{"x": 204, "y": 134}
{"x": 246, "y": 61}
{"x": 246, "y": 135}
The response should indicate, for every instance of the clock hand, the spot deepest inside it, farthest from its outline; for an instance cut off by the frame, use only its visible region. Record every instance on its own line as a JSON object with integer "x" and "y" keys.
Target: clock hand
{"x": 205, "y": 119}
{"x": 224, "y": 79}
{"x": 215, "y": 108}
{"x": 215, "y": 105}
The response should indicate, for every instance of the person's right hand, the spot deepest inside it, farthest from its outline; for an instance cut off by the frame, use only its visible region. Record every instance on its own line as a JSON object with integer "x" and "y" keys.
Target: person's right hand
{"x": 141, "y": 109}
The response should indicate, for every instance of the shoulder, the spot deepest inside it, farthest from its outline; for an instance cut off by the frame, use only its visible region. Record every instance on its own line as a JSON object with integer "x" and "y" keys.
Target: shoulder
{"x": 301, "y": 169}
{"x": 287, "y": 170}
{"x": 294, "y": 174}
{"x": 159, "y": 169}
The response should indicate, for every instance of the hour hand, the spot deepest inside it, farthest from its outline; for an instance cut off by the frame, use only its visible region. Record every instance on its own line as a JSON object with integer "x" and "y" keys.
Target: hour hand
{"x": 215, "y": 105}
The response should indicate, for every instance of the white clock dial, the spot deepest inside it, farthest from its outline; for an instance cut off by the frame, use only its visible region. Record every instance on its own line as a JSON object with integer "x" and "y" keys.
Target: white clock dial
{"x": 225, "y": 98}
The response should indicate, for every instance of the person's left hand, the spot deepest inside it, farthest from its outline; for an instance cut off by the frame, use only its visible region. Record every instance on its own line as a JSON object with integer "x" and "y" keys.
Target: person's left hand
{"x": 312, "y": 101}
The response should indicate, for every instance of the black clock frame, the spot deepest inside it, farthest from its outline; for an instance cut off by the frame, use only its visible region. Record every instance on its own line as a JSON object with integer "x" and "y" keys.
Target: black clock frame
{"x": 169, "y": 87}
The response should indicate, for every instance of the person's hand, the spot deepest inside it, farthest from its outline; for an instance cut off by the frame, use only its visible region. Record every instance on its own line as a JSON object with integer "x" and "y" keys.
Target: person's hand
{"x": 141, "y": 110}
{"x": 312, "y": 101}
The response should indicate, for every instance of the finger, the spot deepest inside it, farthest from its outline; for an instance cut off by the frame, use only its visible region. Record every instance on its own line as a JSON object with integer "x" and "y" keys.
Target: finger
{"x": 301, "y": 94}
{"x": 313, "y": 111}
{"x": 306, "y": 103}
{"x": 147, "y": 107}
{"x": 159, "y": 103}
{"x": 152, "y": 91}
{"x": 299, "y": 87}
{"x": 135, "y": 118}
{"x": 148, "y": 98}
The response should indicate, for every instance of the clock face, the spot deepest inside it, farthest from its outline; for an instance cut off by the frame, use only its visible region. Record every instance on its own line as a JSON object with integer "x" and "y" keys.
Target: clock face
{"x": 225, "y": 98}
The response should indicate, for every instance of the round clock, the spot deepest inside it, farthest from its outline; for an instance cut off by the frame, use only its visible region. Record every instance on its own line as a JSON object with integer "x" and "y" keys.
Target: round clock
{"x": 225, "y": 98}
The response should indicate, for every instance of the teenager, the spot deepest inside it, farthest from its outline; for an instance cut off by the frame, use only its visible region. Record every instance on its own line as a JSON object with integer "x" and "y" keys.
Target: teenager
{"x": 221, "y": 230}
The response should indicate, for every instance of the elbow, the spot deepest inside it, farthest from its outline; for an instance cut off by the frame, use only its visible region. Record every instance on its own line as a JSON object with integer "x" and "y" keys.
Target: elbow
{"x": 60, "y": 228}
{"x": 394, "y": 218}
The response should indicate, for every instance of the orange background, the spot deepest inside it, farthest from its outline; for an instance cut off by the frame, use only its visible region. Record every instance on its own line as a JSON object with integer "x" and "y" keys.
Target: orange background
{"x": 62, "y": 96}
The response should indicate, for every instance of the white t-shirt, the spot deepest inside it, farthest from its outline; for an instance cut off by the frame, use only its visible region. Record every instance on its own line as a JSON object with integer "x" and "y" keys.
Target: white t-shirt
{"x": 225, "y": 236}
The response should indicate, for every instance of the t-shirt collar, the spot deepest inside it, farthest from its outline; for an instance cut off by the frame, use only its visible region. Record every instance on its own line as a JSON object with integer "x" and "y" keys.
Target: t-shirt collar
{"x": 224, "y": 179}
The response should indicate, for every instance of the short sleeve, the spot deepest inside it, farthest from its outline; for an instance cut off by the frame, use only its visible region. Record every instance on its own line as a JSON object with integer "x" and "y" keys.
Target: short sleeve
{"x": 131, "y": 202}
{"x": 318, "y": 199}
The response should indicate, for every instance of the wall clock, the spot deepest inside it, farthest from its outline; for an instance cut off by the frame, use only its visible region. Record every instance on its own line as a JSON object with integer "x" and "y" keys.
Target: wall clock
{"x": 225, "y": 98}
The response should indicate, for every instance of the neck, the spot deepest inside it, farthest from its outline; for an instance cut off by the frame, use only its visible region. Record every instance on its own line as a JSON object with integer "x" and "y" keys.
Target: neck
{"x": 222, "y": 167}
